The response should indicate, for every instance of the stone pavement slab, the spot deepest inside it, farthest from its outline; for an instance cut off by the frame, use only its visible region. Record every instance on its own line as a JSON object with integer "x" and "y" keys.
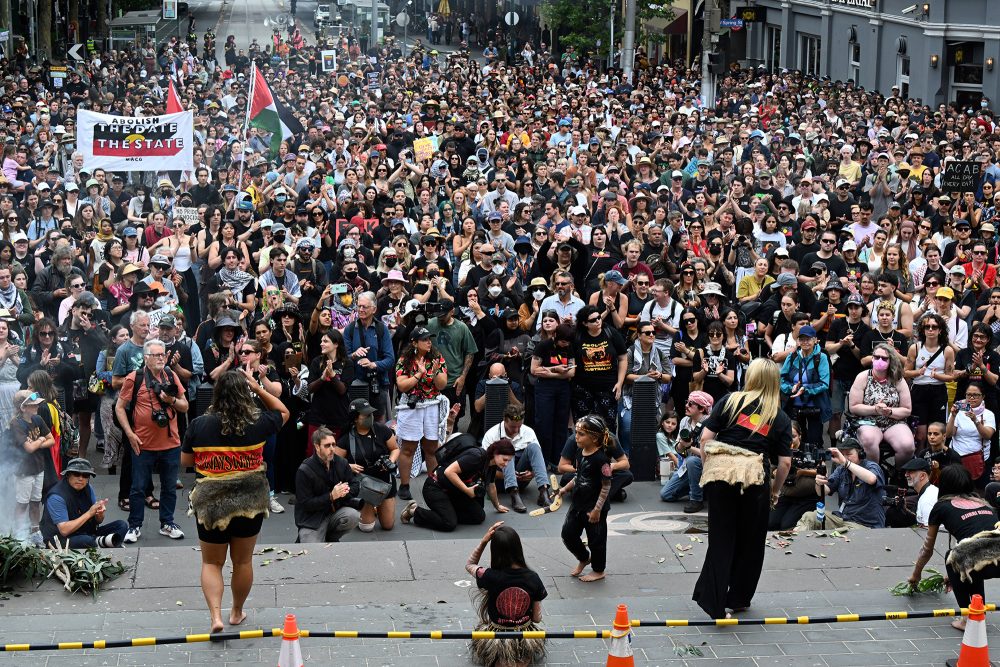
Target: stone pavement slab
{"x": 420, "y": 584}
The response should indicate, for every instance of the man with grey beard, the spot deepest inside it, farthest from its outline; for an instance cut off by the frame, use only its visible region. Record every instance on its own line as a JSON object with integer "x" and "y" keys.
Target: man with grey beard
{"x": 52, "y": 282}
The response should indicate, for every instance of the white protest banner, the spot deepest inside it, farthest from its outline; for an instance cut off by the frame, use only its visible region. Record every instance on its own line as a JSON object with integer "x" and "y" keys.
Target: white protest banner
{"x": 189, "y": 214}
{"x": 126, "y": 143}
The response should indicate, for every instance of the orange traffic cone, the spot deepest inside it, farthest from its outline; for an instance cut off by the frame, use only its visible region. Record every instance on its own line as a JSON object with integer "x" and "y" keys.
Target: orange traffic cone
{"x": 974, "y": 652}
{"x": 620, "y": 653}
{"x": 291, "y": 652}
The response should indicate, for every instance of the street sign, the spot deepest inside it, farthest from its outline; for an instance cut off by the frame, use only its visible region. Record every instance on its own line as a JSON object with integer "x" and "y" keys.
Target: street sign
{"x": 731, "y": 23}
{"x": 402, "y": 19}
{"x": 962, "y": 176}
{"x": 74, "y": 52}
{"x": 511, "y": 18}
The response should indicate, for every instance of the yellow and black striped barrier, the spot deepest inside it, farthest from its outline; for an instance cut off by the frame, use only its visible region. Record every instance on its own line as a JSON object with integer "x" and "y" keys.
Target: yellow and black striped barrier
{"x": 480, "y": 634}
{"x": 807, "y": 620}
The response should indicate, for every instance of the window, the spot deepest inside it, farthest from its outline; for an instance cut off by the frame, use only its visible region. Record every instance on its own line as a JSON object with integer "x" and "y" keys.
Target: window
{"x": 854, "y": 66}
{"x": 903, "y": 75}
{"x": 772, "y": 48}
{"x": 809, "y": 50}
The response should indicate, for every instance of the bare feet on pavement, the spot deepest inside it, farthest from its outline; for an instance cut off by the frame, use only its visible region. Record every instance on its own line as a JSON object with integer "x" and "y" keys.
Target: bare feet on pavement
{"x": 237, "y": 617}
{"x": 593, "y": 576}
{"x": 578, "y": 570}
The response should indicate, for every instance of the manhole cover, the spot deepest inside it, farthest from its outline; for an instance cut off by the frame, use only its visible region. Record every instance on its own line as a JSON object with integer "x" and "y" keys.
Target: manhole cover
{"x": 646, "y": 522}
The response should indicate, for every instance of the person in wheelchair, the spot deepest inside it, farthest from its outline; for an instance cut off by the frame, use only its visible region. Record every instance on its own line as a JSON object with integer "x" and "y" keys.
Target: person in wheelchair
{"x": 880, "y": 406}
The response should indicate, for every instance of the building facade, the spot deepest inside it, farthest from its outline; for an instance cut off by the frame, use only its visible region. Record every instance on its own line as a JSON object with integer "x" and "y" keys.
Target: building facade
{"x": 940, "y": 51}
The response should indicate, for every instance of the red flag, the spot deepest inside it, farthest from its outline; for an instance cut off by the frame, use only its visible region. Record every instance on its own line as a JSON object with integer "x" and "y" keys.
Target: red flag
{"x": 173, "y": 102}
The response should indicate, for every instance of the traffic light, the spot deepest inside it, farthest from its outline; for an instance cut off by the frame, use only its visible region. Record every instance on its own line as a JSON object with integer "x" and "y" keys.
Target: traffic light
{"x": 716, "y": 62}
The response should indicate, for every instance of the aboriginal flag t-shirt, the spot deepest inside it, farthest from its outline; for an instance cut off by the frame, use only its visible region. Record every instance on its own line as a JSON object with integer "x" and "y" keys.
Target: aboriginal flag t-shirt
{"x": 217, "y": 455}
{"x": 744, "y": 429}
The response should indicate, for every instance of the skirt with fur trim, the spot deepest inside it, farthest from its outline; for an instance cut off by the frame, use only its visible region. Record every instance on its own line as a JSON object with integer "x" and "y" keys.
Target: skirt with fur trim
{"x": 490, "y": 652}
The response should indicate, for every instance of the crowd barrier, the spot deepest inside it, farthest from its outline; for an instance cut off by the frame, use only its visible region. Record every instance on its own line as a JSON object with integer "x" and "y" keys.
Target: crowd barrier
{"x": 475, "y": 634}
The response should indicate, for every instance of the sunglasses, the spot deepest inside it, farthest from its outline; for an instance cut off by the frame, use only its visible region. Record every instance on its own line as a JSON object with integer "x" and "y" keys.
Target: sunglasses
{"x": 36, "y": 396}
{"x": 882, "y": 358}
{"x": 244, "y": 353}
{"x": 689, "y": 321}
{"x": 593, "y": 320}
{"x": 46, "y": 334}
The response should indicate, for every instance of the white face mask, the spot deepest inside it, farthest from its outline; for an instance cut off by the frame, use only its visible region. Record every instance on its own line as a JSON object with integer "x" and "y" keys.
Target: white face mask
{"x": 498, "y": 269}
{"x": 494, "y": 291}
{"x": 538, "y": 294}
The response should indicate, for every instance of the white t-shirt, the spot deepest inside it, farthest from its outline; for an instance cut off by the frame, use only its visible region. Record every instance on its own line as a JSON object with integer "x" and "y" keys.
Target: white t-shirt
{"x": 671, "y": 315}
{"x": 783, "y": 343}
{"x": 925, "y": 503}
{"x": 966, "y": 440}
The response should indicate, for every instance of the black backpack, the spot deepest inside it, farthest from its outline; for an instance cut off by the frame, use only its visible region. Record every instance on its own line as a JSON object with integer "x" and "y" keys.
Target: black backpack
{"x": 449, "y": 452}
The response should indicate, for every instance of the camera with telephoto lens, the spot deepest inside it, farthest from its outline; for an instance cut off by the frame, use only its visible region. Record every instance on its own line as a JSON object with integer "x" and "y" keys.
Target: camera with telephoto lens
{"x": 806, "y": 458}
{"x": 168, "y": 388}
{"x": 479, "y": 489}
{"x": 386, "y": 464}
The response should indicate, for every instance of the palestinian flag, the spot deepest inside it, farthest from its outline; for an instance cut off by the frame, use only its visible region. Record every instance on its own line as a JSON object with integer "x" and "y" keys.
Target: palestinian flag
{"x": 267, "y": 114}
{"x": 173, "y": 101}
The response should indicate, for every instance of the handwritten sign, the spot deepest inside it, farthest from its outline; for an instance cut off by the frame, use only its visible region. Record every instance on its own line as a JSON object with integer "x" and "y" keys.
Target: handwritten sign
{"x": 963, "y": 176}
{"x": 189, "y": 214}
{"x": 423, "y": 149}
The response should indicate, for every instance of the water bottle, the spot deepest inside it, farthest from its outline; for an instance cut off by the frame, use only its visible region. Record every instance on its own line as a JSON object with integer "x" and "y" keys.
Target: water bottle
{"x": 821, "y": 513}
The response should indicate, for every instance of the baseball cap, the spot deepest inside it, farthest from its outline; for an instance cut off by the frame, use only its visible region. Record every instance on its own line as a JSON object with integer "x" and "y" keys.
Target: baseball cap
{"x": 167, "y": 322}
{"x": 162, "y": 260}
{"x": 17, "y": 237}
{"x": 945, "y": 293}
{"x": 130, "y": 231}
{"x": 362, "y": 406}
{"x": 957, "y": 270}
{"x": 614, "y": 277}
{"x": 809, "y": 224}
{"x": 784, "y": 280}
{"x": 917, "y": 465}
{"x": 856, "y": 300}
{"x": 807, "y": 332}
{"x": 420, "y": 333}
{"x": 849, "y": 245}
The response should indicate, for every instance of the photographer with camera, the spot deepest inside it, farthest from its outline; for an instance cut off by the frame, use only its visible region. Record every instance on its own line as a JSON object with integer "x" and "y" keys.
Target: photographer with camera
{"x": 686, "y": 480}
{"x": 82, "y": 339}
{"x": 368, "y": 343}
{"x": 370, "y": 449}
{"x": 455, "y": 490}
{"x": 147, "y": 408}
{"x": 859, "y": 484}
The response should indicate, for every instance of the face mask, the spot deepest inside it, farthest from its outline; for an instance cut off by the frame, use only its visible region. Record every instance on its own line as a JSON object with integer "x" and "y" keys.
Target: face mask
{"x": 432, "y": 274}
{"x": 538, "y": 294}
{"x": 390, "y": 261}
{"x": 498, "y": 269}
{"x": 280, "y": 199}
{"x": 494, "y": 291}
{"x": 349, "y": 252}
{"x": 350, "y": 275}
{"x": 880, "y": 365}
{"x": 715, "y": 251}
{"x": 366, "y": 421}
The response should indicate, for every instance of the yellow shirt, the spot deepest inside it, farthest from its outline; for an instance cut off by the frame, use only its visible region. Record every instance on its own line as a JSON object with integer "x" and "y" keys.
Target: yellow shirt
{"x": 751, "y": 285}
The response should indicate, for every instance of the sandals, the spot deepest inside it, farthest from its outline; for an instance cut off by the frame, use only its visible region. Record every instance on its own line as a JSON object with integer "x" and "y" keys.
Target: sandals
{"x": 124, "y": 505}
{"x": 152, "y": 502}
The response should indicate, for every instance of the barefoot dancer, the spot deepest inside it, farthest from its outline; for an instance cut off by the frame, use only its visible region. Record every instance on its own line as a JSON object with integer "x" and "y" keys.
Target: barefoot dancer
{"x": 230, "y": 500}
{"x": 589, "y": 511}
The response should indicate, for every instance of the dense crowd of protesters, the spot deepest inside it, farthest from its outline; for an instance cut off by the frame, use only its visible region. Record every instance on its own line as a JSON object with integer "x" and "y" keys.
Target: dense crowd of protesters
{"x": 569, "y": 231}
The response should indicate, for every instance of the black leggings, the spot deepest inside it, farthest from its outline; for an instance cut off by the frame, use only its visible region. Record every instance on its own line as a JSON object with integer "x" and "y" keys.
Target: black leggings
{"x": 737, "y": 529}
{"x": 577, "y": 523}
{"x": 964, "y": 590}
{"x": 446, "y": 510}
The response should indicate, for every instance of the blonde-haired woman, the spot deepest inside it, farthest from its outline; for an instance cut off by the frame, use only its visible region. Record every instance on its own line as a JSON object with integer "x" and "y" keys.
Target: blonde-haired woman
{"x": 740, "y": 436}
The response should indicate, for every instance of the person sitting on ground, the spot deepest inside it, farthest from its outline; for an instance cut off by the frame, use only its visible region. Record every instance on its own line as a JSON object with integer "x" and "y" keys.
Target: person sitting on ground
{"x": 324, "y": 508}
{"x": 73, "y": 516}
{"x": 859, "y": 482}
{"x": 528, "y": 461}
{"x": 686, "y": 480}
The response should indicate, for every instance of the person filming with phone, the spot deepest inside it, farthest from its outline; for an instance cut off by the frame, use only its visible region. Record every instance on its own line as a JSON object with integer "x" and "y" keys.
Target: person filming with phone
{"x": 971, "y": 426}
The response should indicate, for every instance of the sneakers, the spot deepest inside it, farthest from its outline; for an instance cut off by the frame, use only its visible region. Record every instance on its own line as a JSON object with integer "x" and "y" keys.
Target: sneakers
{"x": 171, "y": 530}
{"x": 133, "y": 535}
{"x": 407, "y": 515}
{"x": 404, "y": 492}
{"x": 693, "y": 507}
{"x": 275, "y": 506}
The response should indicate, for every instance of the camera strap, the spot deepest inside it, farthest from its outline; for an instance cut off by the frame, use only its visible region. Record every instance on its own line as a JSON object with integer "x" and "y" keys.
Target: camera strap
{"x": 148, "y": 380}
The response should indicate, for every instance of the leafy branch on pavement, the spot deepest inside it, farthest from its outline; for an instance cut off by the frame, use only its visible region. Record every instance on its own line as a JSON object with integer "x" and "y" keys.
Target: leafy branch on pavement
{"x": 80, "y": 571}
{"x": 931, "y": 584}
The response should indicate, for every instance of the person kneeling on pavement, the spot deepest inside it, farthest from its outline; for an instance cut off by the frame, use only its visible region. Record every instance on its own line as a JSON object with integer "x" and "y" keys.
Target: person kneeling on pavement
{"x": 528, "y": 461}
{"x": 686, "y": 480}
{"x": 455, "y": 490}
{"x": 859, "y": 484}
{"x": 73, "y": 515}
{"x": 325, "y": 510}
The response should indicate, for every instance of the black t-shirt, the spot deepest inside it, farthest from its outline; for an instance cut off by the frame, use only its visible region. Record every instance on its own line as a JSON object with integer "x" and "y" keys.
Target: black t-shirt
{"x": 962, "y": 517}
{"x": 772, "y": 440}
{"x": 718, "y": 364}
{"x": 963, "y": 361}
{"x": 510, "y": 594}
{"x": 472, "y": 467}
{"x": 327, "y": 406}
{"x": 847, "y": 366}
{"x": 591, "y": 472}
{"x": 549, "y": 355}
{"x": 369, "y": 448}
{"x": 874, "y": 337}
{"x": 800, "y": 250}
{"x": 834, "y": 264}
{"x": 597, "y": 359}
{"x": 216, "y": 454}
{"x": 20, "y": 432}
